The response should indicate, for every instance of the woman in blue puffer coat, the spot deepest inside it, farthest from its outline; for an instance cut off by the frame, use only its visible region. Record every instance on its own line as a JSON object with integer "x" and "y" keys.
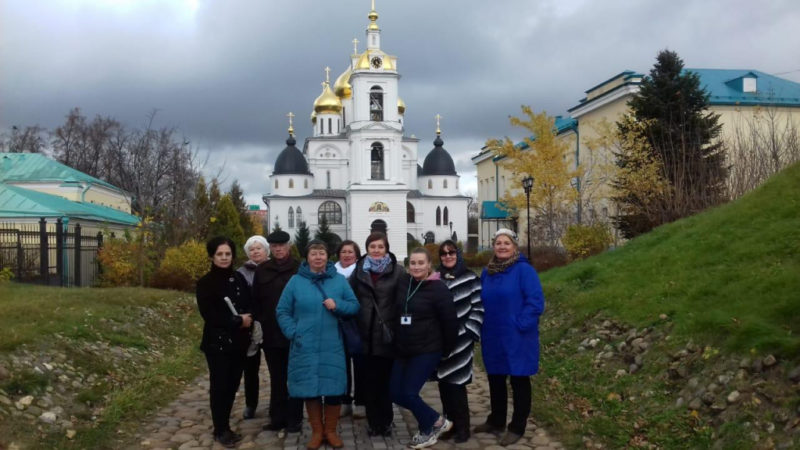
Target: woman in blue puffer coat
{"x": 512, "y": 302}
{"x": 308, "y": 313}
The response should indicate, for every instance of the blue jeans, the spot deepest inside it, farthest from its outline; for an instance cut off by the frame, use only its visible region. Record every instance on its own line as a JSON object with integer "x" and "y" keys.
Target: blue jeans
{"x": 408, "y": 377}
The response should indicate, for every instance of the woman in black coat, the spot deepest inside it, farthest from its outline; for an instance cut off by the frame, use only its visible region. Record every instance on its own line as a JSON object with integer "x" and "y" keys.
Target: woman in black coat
{"x": 223, "y": 299}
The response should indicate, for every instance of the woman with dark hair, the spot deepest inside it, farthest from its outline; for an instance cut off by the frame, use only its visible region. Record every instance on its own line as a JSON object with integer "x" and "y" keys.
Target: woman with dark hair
{"x": 308, "y": 313}
{"x": 348, "y": 254}
{"x": 374, "y": 282}
{"x": 426, "y": 329}
{"x": 513, "y": 302}
{"x": 455, "y": 370}
{"x": 223, "y": 299}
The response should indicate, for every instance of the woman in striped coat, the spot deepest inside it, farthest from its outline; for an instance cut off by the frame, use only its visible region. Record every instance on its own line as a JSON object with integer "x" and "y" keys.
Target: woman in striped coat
{"x": 455, "y": 370}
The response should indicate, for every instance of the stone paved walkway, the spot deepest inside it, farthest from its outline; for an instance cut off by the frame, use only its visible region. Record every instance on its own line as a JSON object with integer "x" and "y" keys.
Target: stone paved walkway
{"x": 186, "y": 424}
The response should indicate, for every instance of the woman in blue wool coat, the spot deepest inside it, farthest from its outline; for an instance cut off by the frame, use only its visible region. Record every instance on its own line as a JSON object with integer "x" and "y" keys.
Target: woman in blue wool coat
{"x": 512, "y": 302}
{"x": 308, "y": 313}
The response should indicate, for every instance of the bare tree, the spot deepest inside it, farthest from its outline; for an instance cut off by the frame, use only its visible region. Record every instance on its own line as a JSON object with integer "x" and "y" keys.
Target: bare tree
{"x": 29, "y": 139}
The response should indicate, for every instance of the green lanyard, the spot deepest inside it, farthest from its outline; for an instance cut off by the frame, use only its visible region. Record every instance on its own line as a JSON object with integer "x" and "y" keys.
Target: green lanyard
{"x": 410, "y": 294}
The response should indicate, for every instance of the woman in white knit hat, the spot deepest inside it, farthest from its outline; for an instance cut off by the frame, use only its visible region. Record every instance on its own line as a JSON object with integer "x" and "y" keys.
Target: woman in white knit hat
{"x": 257, "y": 251}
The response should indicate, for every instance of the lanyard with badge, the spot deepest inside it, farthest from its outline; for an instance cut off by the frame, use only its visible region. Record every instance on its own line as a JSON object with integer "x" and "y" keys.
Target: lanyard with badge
{"x": 405, "y": 318}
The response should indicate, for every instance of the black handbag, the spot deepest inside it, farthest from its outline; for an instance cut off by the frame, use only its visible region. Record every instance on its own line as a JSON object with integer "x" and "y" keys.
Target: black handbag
{"x": 387, "y": 335}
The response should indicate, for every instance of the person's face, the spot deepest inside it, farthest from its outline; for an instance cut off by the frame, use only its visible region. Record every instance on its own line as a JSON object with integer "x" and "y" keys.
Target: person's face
{"x": 279, "y": 251}
{"x": 257, "y": 253}
{"x": 347, "y": 256}
{"x": 223, "y": 257}
{"x": 448, "y": 256}
{"x": 377, "y": 249}
{"x": 317, "y": 258}
{"x": 418, "y": 266}
{"x": 504, "y": 247}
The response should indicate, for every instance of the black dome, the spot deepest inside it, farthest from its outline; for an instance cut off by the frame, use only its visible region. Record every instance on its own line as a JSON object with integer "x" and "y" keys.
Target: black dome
{"x": 291, "y": 161}
{"x": 438, "y": 161}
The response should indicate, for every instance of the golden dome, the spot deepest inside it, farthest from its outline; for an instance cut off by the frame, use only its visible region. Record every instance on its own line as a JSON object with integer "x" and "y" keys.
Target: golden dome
{"x": 364, "y": 61}
{"x": 313, "y": 117}
{"x": 342, "y": 87}
{"x": 401, "y": 106}
{"x": 327, "y": 102}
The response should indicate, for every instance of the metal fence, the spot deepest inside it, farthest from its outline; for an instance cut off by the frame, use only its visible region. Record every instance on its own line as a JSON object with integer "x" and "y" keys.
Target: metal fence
{"x": 50, "y": 253}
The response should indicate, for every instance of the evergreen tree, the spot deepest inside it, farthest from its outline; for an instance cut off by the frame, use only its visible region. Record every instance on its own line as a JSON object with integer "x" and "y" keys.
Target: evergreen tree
{"x": 302, "y": 237}
{"x": 202, "y": 210}
{"x": 237, "y": 196}
{"x": 226, "y": 223}
{"x": 670, "y": 116}
{"x": 325, "y": 234}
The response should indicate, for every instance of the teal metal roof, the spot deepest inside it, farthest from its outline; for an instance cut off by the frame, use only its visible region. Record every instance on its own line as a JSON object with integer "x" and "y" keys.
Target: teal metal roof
{"x": 724, "y": 87}
{"x": 16, "y": 202}
{"x": 30, "y": 167}
{"x": 492, "y": 210}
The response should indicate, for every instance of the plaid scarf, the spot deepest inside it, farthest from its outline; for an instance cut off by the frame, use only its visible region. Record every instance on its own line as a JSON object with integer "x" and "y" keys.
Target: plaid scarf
{"x": 496, "y": 266}
{"x": 377, "y": 265}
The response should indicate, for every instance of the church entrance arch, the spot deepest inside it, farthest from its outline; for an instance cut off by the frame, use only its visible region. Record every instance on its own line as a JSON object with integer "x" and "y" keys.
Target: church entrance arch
{"x": 430, "y": 238}
{"x": 378, "y": 225}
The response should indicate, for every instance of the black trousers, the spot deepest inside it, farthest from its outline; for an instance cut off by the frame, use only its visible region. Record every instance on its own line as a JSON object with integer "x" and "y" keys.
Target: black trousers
{"x": 375, "y": 389}
{"x": 252, "y": 364}
{"x": 283, "y": 411}
{"x": 224, "y": 373}
{"x": 355, "y": 380}
{"x": 498, "y": 398}
{"x": 455, "y": 406}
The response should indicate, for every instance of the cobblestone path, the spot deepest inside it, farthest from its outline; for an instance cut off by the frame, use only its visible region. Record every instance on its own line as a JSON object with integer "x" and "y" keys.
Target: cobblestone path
{"x": 186, "y": 424}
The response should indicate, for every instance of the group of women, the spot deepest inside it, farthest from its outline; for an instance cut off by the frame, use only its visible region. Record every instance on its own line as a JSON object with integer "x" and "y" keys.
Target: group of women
{"x": 413, "y": 326}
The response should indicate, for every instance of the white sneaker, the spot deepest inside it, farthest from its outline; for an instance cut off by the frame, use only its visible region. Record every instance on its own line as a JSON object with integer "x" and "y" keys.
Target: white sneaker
{"x": 423, "y": 440}
{"x": 445, "y": 427}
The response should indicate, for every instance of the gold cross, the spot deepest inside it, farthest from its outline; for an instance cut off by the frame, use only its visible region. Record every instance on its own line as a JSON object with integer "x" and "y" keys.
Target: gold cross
{"x": 327, "y": 74}
{"x": 355, "y": 46}
{"x": 373, "y": 5}
{"x": 291, "y": 128}
{"x": 438, "y": 130}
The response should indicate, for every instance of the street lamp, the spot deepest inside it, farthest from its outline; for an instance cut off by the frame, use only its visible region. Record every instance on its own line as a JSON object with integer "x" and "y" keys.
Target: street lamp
{"x": 527, "y": 184}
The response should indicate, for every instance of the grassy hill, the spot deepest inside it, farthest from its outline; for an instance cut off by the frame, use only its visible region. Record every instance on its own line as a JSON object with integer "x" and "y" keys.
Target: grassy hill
{"x": 647, "y": 343}
{"x": 80, "y": 367}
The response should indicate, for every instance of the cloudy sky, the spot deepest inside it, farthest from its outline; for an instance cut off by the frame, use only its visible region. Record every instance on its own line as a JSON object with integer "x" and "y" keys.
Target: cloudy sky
{"x": 227, "y": 72}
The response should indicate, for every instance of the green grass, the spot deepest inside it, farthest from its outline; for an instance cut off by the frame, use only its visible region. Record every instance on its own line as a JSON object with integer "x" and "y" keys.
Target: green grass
{"x": 159, "y": 330}
{"x": 727, "y": 279}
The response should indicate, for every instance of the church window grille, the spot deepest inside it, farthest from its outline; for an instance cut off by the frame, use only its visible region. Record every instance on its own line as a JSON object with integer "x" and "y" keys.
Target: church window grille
{"x": 291, "y": 183}
{"x": 328, "y": 179}
{"x": 445, "y": 216}
{"x": 299, "y": 216}
{"x": 376, "y": 104}
{"x": 291, "y": 217}
{"x": 376, "y": 161}
{"x": 410, "y": 213}
{"x": 430, "y": 184}
{"x": 331, "y": 211}
{"x": 438, "y": 215}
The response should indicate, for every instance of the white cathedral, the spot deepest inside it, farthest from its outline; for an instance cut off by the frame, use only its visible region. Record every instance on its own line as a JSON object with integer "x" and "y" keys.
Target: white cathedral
{"x": 359, "y": 170}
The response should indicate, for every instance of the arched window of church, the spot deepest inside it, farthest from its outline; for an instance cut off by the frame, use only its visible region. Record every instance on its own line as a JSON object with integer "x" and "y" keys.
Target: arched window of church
{"x": 331, "y": 211}
{"x": 444, "y": 183}
{"x": 276, "y": 184}
{"x": 291, "y": 183}
{"x": 445, "y": 216}
{"x": 291, "y": 217}
{"x": 299, "y": 216}
{"x": 305, "y": 184}
{"x": 330, "y": 125}
{"x": 438, "y": 215}
{"x": 376, "y": 161}
{"x": 321, "y": 127}
{"x": 328, "y": 179}
{"x": 456, "y": 183}
{"x": 430, "y": 184}
{"x": 376, "y": 103}
{"x": 410, "y": 213}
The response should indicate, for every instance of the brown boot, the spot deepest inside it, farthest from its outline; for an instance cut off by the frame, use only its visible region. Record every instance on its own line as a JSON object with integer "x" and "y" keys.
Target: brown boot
{"x": 314, "y": 410}
{"x": 331, "y": 425}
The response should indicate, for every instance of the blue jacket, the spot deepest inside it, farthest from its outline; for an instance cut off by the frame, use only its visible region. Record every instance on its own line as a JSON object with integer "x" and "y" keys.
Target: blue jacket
{"x": 512, "y": 303}
{"x": 316, "y": 351}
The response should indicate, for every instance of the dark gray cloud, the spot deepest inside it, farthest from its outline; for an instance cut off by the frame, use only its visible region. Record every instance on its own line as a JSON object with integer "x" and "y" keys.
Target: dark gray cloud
{"x": 226, "y": 73}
